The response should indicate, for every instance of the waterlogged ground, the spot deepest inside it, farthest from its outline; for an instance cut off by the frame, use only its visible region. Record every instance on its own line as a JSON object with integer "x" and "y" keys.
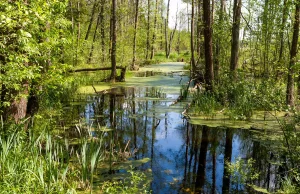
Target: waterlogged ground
{"x": 179, "y": 155}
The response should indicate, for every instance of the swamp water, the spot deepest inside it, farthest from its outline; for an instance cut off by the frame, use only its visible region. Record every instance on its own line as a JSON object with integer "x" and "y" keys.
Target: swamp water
{"x": 178, "y": 156}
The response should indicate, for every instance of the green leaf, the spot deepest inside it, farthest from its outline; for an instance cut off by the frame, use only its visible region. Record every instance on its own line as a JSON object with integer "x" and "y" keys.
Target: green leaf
{"x": 25, "y": 34}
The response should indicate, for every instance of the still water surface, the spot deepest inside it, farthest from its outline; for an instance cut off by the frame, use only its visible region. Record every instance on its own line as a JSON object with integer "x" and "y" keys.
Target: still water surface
{"x": 184, "y": 157}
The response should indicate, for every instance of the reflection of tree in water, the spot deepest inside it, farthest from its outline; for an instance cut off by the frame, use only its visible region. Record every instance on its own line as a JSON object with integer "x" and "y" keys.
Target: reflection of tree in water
{"x": 227, "y": 158}
{"x": 197, "y": 164}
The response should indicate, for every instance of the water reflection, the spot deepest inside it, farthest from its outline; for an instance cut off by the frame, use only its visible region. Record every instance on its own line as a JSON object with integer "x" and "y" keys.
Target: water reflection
{"x": 185, "y": 158}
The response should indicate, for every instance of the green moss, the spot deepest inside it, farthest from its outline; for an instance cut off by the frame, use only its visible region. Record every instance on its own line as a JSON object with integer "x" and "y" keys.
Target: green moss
{"x": 164, "y": 67}
{"x": 261, "y": 120}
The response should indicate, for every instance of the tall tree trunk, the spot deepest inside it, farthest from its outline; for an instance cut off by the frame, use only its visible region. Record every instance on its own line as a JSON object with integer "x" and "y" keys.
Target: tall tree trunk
{"x": 166, "y": 30}
{"x": 136, "y": 16}
{"x": 265, "y": 38}
{"x": 193, "y": 63}
{"x": 148, "y": 30}
{"x": 293, "y": 53}
{"x": 94, "y": 38}
{"x": 199, "y": 28}
{"x": 178, "y": 37}
{"x": 218, "y": 41}
{"x": 78, "y": 34}
{"x": 161, "y": 46}
{"x": 18, "y": 107}
{"x": 72, "y": 31}
{"x": 187, "y": 13}
{"x": 113, "y": 41}
{"x": 235, "y": 36}
{"x": 102, "y": 29}
{"x": 154, "y": 33}
{"x": 172, "y": 34}
{"x": 3, "y": 90}
{"x": 209, "y": 70}
{"x": 282, "y": 27}
{"x": 91, "y": 19}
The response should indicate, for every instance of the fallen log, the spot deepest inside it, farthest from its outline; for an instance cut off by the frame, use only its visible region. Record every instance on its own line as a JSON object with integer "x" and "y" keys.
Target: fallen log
{"x": 119, "y": 78}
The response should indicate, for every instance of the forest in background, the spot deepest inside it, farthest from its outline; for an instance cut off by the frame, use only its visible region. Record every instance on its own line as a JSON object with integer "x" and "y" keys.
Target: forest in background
{"x": 244, "y": 53}
{"x": 42, "y": 40}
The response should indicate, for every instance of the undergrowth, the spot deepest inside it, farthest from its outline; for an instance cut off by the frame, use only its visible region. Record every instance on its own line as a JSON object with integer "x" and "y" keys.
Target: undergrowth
{"x": 239, "y": 99}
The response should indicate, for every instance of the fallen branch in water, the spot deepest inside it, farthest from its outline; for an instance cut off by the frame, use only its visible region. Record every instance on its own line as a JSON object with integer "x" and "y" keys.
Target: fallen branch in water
{"x": 101, "y": 92}
{"x": 120, "y": 78}
{"x": 184, "y": 113}
{"x": 95, "y": 69}
{"x": 156, "y": 124}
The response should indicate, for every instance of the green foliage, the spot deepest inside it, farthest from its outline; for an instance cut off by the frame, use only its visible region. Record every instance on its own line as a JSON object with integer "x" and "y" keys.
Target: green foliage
{"x": 34, "y": 165}
{"x": 288, "y": 187}
{"x": 205, "y": 103}
{"x": 240, "y": 98}
{"x": 134, "y": 184}
{"x": 242, "y": 172}
{"x": 33, "y": 35}
{"x": 149, "y": 62}
{"x": 32, "y": 162}
{"x": 245, "y": 95}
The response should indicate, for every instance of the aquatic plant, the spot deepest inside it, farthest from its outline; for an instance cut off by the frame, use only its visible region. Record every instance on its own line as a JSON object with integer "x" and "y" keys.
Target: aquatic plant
{"x": 32, "y": 162}
{"x": 136, "y": 182}
{"x": 34, "y": 165}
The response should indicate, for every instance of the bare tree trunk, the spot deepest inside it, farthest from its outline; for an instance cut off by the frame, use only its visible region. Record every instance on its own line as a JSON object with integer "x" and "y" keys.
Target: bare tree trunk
{"x": 91, "y": 20}
{"x": 72, "y": 20}
{"x": 283, "y": 21}
{"x": 114, "y": 41}
{"x": 148, "y": 30}
{"x": 133, "y": 66}
{"x": 102, "y": 29}
{"x": 209, "y": 70}
{"x": 199, "y": 28}
{"x": 166, "y": 29}
{"x": 218, "y": 42}
{"x": 172, "y": 34}
{"x": 193, "y": 63}
{"x": 154, "y": 33}
{"x": 78, "y": 34}
{"x": 293, "y": 53}
{"x": 94, "y": 38}
{"x": 187, "y": 13}
{"x": 178, "y": 38}
{"x": 161, "y": 46}
{"x": 18, "y": 107}
{"x": 235, "y": 36}
{"x": 3, "y": 90}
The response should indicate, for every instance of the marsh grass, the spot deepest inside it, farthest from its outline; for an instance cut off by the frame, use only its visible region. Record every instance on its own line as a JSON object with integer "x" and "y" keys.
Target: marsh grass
{"x": 47, "y": 163}
{"x": 205, "y": 103}
{"x": 34, "y": 165}
{"x": 240, "y": 99}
